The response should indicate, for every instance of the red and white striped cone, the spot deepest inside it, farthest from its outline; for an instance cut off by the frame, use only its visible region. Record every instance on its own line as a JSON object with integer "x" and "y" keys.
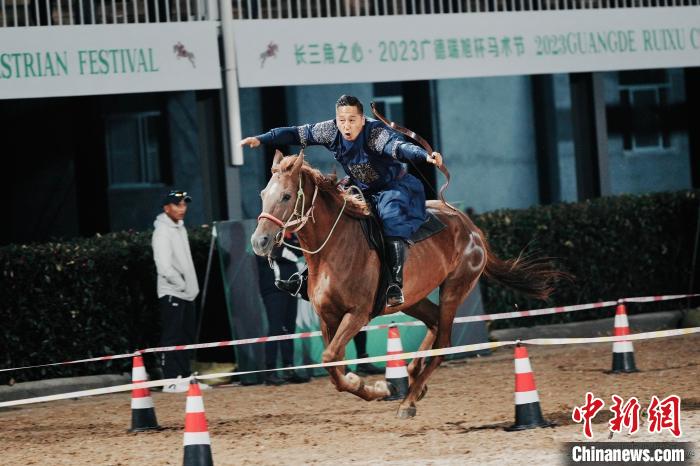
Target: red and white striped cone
{"x": 143, "y": 414}
{"x": 528, "y": 414}
{"x": 196, "y": 440}
{"x": 623, "y": 351}
{"x": 396, "y": 374}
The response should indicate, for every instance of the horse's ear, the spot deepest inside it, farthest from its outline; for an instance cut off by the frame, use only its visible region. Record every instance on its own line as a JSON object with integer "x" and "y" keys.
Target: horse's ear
{"x": 298, "y": 162}
{"x": 278, "y": 157}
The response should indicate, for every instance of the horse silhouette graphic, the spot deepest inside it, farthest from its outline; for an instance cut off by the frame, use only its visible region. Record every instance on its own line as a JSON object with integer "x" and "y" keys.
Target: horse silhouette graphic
{"x": 271, "y": 51}
{"x": 181, "y": 52}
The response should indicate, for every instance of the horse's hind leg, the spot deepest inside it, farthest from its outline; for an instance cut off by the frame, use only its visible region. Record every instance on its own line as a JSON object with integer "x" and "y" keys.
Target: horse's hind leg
{"x": 336, "y": 340}
{"x": 427, "y": 312}
{"x": 452, "y": 293}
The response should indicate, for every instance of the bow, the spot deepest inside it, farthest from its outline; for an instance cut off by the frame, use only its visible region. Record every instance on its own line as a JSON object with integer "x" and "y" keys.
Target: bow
{"x": 416, "y": 137}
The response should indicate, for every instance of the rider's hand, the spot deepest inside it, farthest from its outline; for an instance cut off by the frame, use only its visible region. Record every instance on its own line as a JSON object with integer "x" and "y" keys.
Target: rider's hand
{"x": 435, "y": 158}
{"x": 251, "y": 142}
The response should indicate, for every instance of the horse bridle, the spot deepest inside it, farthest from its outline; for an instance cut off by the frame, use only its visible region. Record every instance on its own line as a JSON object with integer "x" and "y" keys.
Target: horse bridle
{"x": 301, "y": 216}
{"x": 301, "y": 220}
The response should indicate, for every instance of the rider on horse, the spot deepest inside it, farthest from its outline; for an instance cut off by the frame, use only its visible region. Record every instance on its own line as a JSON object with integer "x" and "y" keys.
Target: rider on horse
{"x": 371, "y": 155}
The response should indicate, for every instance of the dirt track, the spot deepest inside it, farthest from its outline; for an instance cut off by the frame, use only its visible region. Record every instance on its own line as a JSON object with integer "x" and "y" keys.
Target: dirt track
{"x": 460, "y": 421}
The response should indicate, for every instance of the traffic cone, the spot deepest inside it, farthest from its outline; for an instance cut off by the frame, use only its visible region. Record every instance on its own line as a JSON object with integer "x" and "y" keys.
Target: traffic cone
{"x": 527, "y": 402}
{"x": 196, "y": 440}
{"x": 143, "y": 414}
{"x": 396, "y": 374}
{"x": 623, "y": 352}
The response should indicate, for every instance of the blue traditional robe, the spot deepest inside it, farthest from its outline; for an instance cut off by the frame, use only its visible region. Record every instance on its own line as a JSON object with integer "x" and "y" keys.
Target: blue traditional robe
{"x": 373, "y": 161}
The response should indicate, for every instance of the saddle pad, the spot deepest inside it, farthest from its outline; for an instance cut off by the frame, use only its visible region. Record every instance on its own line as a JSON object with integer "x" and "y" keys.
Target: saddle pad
{"x": 373, "y": 233}
{"x": 430, "y": 227}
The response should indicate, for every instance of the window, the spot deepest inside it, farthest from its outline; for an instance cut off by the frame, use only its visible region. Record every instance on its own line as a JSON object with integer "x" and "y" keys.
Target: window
{"x": 644, "y": 96}
{"x": 390, "y": 106}
{"x": 135, "y": 149}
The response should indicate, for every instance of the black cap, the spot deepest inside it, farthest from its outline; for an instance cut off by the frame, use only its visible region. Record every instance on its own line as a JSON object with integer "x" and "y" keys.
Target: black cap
{"x": 175, "y": 197}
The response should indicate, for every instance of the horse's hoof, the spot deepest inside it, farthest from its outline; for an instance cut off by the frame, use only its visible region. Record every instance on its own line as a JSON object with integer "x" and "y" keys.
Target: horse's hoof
{"x": 393, "y": 392}
{"x": 384, "y": 388}
{"x": 406, "y": 413}
{"x": 422, "y": 393}
{"x": 355, "y": 382}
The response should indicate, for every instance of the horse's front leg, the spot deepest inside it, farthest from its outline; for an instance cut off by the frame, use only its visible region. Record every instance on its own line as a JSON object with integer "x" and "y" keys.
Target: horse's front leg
{"x": 349, "y": 325}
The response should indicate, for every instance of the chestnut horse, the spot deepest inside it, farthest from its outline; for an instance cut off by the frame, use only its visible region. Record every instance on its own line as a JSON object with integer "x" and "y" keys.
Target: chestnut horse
{"x": 344, "y": 271}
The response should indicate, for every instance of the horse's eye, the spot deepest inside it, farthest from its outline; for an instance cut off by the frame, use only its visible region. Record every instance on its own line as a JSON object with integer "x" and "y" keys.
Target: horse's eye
{"x": 286, "y": 196}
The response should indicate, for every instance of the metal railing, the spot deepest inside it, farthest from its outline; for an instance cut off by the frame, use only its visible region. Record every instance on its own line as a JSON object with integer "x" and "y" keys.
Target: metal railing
{"x": 23, "y": 13}
{"x": 285, "y": 9}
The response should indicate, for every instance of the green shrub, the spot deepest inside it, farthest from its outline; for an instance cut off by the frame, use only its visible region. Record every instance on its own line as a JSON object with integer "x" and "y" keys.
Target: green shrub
{"x": 80, "y": 299}
{"x": 96, "y": 296}
{"x": 615, "y": 247}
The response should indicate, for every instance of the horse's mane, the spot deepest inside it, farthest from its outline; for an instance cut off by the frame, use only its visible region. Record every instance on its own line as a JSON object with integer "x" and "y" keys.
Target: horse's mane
{"x": 355, "y": 206}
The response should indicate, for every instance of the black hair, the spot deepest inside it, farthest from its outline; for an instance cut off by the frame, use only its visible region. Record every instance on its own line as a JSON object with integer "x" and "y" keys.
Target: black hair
{"x": 349, "y": 101}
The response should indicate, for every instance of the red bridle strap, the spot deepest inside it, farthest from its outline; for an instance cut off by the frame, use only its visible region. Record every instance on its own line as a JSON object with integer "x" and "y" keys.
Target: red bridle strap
{"x": 271, "y": 218}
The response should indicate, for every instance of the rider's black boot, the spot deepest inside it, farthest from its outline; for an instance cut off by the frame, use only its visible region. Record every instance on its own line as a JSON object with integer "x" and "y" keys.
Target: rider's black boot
{"x": 296, "y": 284}
{"x": 396, "y": 254}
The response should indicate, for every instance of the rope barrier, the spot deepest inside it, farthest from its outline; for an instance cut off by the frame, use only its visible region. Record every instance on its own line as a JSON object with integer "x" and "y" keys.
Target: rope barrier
{"x": 373, "y": 359}
{"x": 414, "y": 323}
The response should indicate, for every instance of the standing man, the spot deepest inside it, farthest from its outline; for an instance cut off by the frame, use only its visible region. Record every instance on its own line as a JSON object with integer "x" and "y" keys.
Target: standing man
{"x": 281, "y": 310}
{"x": 177, "y": 287}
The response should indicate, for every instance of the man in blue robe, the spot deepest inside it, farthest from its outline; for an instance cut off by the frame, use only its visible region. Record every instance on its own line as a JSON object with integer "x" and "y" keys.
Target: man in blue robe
{"x": 371, "y": 155}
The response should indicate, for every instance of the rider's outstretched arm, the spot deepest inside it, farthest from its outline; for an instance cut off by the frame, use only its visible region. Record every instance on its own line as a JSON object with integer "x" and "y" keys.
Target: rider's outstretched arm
{"x": 322, "y": 133}
{"x": 288, "y": 135}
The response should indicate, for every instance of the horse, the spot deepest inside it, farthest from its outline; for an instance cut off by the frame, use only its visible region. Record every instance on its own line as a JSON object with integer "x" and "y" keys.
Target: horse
{"x": 271, "y": 51}
{"x": 181, "y": 52}
{"x": 344, "y": 271}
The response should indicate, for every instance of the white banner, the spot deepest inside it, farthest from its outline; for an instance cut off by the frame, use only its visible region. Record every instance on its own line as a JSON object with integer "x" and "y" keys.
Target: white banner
{"x": 399, "y": 48}
{"x": 108, "y": 59}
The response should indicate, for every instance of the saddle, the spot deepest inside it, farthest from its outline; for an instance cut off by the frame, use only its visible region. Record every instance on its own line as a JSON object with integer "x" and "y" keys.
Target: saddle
{"x": 374, "y": 233}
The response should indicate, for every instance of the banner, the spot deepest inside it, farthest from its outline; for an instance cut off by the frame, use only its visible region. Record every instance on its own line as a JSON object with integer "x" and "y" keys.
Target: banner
{"x": 412, "y": 47}
{"x": 108, "y": 59}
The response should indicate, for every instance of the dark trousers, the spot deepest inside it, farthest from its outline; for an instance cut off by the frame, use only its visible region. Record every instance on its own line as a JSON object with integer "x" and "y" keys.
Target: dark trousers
{"x": 281, "y": 310}
{"x": 178, "y": 320}
{"x": 360, "y": 343}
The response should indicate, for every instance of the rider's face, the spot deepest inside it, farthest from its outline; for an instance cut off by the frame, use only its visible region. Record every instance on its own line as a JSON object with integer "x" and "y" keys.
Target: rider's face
{"x": 350, "y": 121}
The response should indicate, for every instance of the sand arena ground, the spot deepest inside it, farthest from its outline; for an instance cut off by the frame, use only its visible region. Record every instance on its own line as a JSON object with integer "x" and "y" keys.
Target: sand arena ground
{"x": 460, "y": 421}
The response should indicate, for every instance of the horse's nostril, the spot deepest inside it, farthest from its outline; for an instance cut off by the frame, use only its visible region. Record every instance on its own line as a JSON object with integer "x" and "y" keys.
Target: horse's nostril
{"x": 263, "y": 241}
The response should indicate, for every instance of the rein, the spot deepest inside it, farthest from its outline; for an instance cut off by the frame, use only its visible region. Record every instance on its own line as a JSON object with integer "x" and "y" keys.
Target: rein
{"x": 419, "y": 139}
{"x": 301, "y": 219}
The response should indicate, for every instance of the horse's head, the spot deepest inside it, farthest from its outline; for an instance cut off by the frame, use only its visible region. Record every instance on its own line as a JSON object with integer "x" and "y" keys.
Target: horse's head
{"x": 280, "y": 203}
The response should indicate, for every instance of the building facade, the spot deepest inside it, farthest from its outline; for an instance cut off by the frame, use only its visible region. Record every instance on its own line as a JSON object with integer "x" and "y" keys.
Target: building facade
{"x": 602, "y": 100}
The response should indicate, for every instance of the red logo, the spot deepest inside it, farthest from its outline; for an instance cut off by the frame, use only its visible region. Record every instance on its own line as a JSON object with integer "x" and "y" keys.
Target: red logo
{"x": 665, "y": 414}
{"x": 587, "y": 412}
{"x": 626, "y": 415}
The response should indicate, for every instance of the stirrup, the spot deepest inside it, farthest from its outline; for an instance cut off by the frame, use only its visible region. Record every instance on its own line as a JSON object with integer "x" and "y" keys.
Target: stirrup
{"x": 396, "y": 299}
{"x": 292, "y": 285}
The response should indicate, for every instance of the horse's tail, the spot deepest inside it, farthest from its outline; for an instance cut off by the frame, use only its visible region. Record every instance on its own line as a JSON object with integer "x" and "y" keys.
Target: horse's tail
{"x": 532, "y": 276}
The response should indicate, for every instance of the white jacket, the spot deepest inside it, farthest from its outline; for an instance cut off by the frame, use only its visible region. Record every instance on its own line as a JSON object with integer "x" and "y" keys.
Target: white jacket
{"x": 171, "y": 252}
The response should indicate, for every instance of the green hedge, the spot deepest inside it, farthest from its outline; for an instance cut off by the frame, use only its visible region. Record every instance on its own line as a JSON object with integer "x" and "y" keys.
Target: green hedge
{"x": 96, "y": 296}
{"x": 614, "y": 246}
{"x": 79, "y": 299}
